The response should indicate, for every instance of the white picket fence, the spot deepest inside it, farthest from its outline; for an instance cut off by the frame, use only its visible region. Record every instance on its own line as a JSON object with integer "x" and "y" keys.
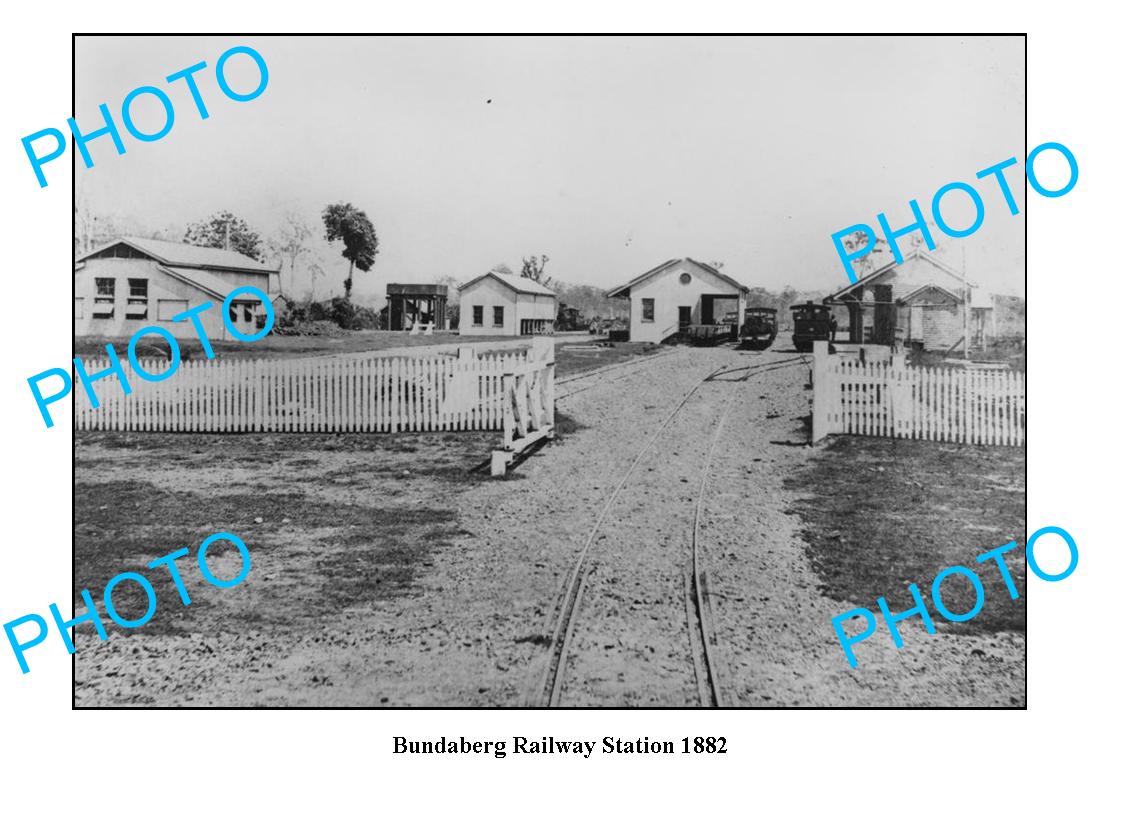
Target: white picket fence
{"x": 972, "y": 406}
{"x": 311, "y": 394}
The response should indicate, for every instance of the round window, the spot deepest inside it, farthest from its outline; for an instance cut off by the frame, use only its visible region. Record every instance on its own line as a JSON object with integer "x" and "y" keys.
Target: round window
{"x": 684, "y": 278}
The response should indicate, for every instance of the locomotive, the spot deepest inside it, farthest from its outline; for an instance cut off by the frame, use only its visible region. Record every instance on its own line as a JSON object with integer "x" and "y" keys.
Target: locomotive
{"x": 812, "y": 322}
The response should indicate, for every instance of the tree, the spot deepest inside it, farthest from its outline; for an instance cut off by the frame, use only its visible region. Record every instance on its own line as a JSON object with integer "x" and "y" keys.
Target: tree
{"x": 314, "y": 271}
{"x": 343, "y": 222}
{"x": 224, "y": 230}
{"x": 290, "y": 243}
{"x": 535, "y": 269}
{"x": 868, "y": 262}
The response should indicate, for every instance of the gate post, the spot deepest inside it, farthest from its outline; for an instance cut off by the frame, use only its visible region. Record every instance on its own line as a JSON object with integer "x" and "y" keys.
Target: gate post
{"x": 542, "y": 349}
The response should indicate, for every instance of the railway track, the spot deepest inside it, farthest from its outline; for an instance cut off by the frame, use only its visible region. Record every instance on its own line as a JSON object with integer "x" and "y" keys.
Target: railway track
{"x": 632, "y": 367}
{"x": 548, "y": 688}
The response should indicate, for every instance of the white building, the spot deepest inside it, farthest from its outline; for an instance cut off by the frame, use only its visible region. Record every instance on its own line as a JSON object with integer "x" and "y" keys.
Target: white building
{"x": 506, "y": 305}
{"x": 680, "y": 293}
{"x": 135, "y": 282}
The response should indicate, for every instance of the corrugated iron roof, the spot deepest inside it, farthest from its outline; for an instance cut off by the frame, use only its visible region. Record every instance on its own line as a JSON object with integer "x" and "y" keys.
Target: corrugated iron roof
{"x": 620, "y": 291}
{"x": 187, "y": 255}
{"x": 516, "y": 282}
{"x": 917, "y": 252}
{"x": 211, "y": 284}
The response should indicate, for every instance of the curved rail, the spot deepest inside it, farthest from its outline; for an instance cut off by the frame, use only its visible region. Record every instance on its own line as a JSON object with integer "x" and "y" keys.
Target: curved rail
{"x": 549, "y": 688}
{"x": 636, "y": 364}
{"x": 701, "y": 596}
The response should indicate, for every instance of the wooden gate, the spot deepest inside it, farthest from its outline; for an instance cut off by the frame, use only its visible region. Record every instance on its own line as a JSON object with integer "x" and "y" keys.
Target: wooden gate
{"x": 528, "y": 405}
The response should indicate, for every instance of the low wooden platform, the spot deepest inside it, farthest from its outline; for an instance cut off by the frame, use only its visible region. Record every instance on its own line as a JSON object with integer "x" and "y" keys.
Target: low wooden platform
{"x": 710, "y": 335}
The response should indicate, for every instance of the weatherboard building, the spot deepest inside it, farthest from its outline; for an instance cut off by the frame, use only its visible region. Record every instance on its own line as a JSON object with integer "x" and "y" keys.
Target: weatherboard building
{"x": 135, "y": 282}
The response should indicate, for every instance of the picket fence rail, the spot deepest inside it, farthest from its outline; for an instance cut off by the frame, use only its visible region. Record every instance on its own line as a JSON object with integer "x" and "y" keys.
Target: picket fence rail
{"x": 310, "y": 394}
{"x": 971, "y": 406}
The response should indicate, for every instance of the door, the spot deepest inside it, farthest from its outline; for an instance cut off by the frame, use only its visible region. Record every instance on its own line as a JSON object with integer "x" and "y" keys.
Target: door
{"x": 916, "y": 324}
{"x": 684, "y": 316}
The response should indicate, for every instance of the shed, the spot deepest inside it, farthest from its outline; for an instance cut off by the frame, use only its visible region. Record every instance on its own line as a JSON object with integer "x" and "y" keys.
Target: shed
{"x": 680, "y": 293}
{"x": 421, "y": 303}
{"x": 497, "y": 304}
{"x": 134, "y": 282}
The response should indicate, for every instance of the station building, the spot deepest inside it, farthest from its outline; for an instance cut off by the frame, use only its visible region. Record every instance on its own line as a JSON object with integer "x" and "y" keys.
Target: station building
{"x": 678, "y": 294}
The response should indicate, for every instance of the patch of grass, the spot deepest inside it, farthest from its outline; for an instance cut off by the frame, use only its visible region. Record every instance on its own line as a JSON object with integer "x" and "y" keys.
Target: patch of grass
{"x": 351, "y": 554}
{"x": 883, "y": 513}
{"x": 351, "y": 527}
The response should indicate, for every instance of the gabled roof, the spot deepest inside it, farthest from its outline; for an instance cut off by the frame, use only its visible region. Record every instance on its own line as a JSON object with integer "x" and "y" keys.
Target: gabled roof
{"x": 187, "y": 255}
{"x": 210, "y": 284}
{"x": 916, "y": 253}
{"x": 921, "y": 289}
{"x": 520, "y": 284}
{"x": 623, "y": 291}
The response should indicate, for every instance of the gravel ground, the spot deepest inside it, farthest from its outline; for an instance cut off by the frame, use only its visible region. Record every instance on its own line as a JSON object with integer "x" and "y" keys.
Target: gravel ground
{"x": 471, "y": 631}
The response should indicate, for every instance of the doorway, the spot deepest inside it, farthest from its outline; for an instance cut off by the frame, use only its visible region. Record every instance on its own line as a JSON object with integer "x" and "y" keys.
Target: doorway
{"x": 684, "y": 316}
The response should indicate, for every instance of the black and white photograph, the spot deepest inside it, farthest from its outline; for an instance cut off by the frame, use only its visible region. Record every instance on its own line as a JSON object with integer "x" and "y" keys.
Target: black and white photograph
{"x": 513, "y": 371}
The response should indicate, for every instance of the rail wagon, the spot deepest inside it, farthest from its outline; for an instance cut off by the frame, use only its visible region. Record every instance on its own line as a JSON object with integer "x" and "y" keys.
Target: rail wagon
{"x": 759, "y": 329}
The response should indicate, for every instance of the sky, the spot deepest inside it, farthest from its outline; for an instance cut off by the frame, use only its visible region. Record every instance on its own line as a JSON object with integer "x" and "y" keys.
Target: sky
{"x": 608, "y": 154}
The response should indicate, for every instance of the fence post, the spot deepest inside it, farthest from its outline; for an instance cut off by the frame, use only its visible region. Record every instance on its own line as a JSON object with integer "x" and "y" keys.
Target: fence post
{"x": 900, "y": 397}
{"x": 820, "y": 398}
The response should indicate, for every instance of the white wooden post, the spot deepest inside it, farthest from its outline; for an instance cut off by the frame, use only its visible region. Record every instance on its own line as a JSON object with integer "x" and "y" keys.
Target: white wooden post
{"x": 900, "y": 397}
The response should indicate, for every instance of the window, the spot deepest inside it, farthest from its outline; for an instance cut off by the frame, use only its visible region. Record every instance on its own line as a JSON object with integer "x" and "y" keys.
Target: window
{"x": 649, "y": 310}
{"x": 105, "y": 298}
{"x": 167, "y": 309}
{"x": 247, "y": 312}
{"x": 259, "y": 320}
{"x": 137, "y": 307}
{"x": 79, "y": 308}
{"x": 233, "y": 313}
{"x": 477, "y": 315}
{"x": 497, "y": 315}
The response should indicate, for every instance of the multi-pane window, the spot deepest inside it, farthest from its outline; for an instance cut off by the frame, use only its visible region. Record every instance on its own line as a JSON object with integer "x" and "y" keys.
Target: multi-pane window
{"x": 648, "y": 310}
{"x": 137, "y": 307}
{"x": 477, "y": 315}
{"x": 104, "y": 299}
{"x": 497, "y": 316}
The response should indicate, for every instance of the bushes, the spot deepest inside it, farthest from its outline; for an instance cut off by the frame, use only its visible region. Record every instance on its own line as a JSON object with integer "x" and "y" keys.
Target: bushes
{"x": 318, "y": 318}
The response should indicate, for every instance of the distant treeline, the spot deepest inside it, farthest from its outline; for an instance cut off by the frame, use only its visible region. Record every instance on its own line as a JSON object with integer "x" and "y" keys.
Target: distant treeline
{"x": 590, "y": 301}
